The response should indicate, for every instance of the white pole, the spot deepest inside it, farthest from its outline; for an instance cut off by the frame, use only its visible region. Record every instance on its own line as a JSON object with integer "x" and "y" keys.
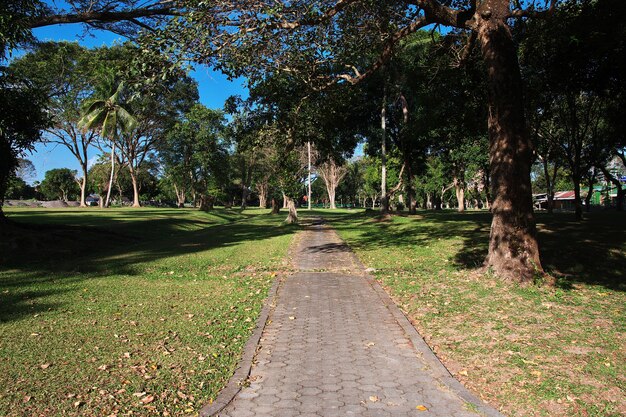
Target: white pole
{"x": 309, "y": 197}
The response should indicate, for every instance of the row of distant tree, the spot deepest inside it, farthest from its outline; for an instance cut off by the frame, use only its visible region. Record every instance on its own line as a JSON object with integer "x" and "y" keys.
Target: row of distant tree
{"x": 163, "y": 144}
{"x": 545, "y": 88}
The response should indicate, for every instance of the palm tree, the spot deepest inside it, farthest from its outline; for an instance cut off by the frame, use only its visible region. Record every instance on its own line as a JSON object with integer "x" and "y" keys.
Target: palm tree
{"x": 105, "y": 112}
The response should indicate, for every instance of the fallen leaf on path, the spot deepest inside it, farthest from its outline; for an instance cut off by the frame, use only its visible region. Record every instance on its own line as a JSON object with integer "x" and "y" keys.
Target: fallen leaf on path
{"x": 292, "y": 318}
{"x": 374, "y": 398}
{"x": 421, "y": 408}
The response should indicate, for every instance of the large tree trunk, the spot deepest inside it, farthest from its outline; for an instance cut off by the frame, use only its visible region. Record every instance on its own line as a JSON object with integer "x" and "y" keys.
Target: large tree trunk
{"x": 262, "y": 189}
{"x": 292, "y": 216}
{"x": 275, "y": 206}
{"x": 410, "y": 190}
{"x": 83, "y": 186}
{"x": 262, "y": 201}
{"x": 591, "y": 179}
{"x": 459, "y": 190}
{"x": 384, "y": 198}
{"x": 331, "y": 196}
{"x": 244, "y": 197}
{"x": 133, "y": 179}
{"x": 578, "y": 203}
{"x": 438, "y": 200}
{"x": 180, "y": 196}
{"x": 108, "y": 200}
{"x": 513, "y": 249}
{"x": 206, "y": 202}
{"x": 309, "y": 190}
{"x": 589, "y": 194}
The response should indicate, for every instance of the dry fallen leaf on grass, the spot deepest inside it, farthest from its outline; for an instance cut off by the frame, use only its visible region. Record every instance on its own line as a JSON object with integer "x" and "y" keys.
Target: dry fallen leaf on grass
{"x": 463, "y": 372}
{"x": 44, "y": 365}
{"x": 148, "y": 399}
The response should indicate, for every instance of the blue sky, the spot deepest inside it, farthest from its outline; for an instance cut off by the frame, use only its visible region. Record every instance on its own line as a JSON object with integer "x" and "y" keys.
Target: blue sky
{"x": 213, "y": 86}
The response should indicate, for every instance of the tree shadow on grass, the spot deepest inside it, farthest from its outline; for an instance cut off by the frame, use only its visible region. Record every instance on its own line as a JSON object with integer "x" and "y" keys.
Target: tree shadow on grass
{"x": 43, "y": 260}
{"x": 592, "y": 251}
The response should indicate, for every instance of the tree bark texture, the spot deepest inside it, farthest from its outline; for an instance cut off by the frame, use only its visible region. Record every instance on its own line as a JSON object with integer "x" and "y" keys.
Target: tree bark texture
{"x": 459, "y": 191}
{"x": 513, "y": 250}
{"x": 180, "y": 196}
{"x": 133, "y": 178}
{"x": 262, "y": 188}
{"x": 275, "y": 206}
{"x": 292, "y": 216}
{"x": 83, "y": 189}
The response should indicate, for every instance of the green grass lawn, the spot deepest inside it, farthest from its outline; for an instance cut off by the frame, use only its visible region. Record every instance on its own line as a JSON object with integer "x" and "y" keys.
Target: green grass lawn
{"x": 129, "y": 310}
{"x": 541, "y": 350}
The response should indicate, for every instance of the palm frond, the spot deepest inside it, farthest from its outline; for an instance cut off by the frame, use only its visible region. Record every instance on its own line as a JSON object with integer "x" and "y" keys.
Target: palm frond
{"x": 109, "y": 125}
{"x": 92, "y": 119}
{"x": 126, "y": 120}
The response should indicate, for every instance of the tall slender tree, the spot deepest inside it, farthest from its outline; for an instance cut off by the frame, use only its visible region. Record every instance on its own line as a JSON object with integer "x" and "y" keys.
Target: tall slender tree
{"x": 105, "y": 112}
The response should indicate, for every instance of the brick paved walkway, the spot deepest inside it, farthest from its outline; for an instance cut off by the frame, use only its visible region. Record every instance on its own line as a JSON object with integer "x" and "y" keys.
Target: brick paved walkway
{"x": 333, "y": 348}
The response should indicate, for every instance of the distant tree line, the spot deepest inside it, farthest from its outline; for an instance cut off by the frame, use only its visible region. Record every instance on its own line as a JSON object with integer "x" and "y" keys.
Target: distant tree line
{"x": 511, "y": 97}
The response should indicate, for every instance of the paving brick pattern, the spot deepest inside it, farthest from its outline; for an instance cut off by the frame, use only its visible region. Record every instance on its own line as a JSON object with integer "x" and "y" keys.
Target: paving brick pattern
{"x": 332, "y": 348}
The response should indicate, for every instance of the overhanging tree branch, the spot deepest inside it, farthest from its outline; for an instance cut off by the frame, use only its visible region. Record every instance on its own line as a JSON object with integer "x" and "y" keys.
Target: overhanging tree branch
{"x": 93, "y": 16}
{"x": 387, "y": 52}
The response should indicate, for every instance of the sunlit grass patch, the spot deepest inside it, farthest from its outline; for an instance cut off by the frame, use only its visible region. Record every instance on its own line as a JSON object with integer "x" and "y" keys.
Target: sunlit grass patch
{"x": 532, "y": 351}
{"x": 150, "y": 321}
